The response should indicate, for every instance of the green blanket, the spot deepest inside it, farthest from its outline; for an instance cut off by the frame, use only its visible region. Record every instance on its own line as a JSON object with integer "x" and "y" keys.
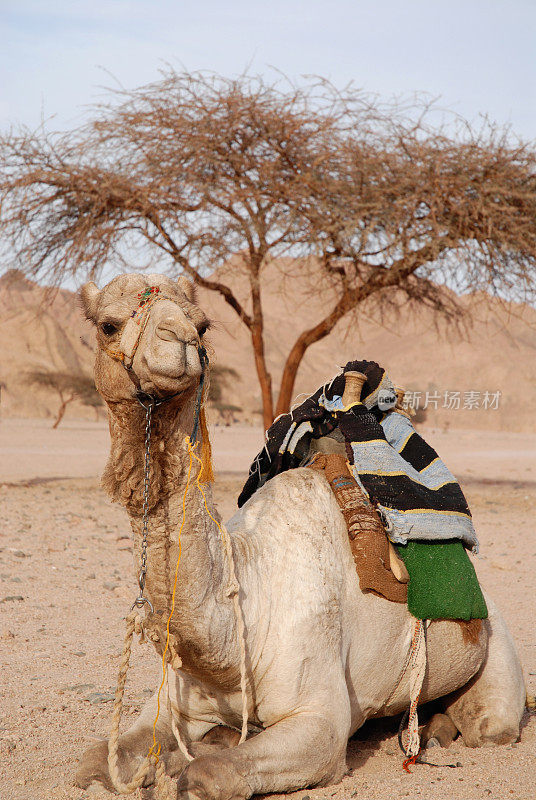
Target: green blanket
{"x": 443, "y": 582}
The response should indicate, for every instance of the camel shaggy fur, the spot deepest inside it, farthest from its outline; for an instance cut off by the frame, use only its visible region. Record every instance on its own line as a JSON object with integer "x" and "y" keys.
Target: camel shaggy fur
{"x": 322, "y": 657}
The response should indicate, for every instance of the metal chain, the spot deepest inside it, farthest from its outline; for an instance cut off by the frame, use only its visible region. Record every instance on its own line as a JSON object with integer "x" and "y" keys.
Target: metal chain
{"x": 140, "y": 601}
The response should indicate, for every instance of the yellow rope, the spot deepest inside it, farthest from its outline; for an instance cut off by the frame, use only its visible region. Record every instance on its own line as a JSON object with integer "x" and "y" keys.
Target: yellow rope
{"x": 205, "y": 474}
{"x": 156, "y": 747}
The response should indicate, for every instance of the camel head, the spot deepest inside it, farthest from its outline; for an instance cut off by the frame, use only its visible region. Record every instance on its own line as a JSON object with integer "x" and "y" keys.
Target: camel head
{"x": 149, "y": 330}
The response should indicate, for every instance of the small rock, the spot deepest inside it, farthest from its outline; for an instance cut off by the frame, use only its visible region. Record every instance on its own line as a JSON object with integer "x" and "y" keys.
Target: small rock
{"x": 78, "y": 688}
{"x": 10, "y": 745}
{"x": 91, "y": 576}
{"x": 79, "y": 653}
{"x": 21, "y": 554}
{"x": 110, "y": 585}
{"x": 99, "y": 697}
{"x": 11, "y": 597}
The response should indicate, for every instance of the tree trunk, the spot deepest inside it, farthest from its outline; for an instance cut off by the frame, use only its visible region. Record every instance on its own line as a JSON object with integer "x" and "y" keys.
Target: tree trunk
{"x": 257, "y": 339}
{"x": 350, "y": 299}
{"x": 305, "y": 340}
{"x": 61, "y": 410}
{"x": 265, "y": 379}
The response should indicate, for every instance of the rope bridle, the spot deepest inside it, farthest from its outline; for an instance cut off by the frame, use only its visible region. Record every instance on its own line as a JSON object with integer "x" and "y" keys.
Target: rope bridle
{"x": 135, "y": 326}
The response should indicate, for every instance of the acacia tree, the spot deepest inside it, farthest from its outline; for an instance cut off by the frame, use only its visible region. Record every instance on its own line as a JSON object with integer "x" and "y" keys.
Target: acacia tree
{"x": 223, "y": 177}
{"x": 68, "y": 386}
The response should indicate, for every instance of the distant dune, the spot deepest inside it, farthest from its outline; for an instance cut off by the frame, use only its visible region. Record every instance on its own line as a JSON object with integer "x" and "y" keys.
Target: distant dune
{"x": 40, "y": 330}
{"x": 497, "y": 352}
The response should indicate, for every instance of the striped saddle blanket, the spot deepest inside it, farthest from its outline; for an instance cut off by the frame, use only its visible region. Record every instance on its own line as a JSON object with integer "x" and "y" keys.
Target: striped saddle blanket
{"x": 417, "y": 497}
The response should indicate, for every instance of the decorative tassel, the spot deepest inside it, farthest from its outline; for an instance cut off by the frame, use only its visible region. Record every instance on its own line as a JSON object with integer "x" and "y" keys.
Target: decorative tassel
{"x": 418, "y": 670}
{"x": 207, "y": 471}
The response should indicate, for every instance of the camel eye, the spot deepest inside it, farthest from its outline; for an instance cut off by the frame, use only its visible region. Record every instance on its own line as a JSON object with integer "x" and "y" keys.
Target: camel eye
{"x": 203, "y": 328}
{"x": 108, "y": 329}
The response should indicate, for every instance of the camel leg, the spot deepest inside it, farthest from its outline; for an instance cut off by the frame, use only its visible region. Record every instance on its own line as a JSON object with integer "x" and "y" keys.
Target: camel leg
{"x": 305, "y": 749}
{"x": 489, "y": 708}
{"x": 134, "y": 745}
{"x": 439, "y": 730}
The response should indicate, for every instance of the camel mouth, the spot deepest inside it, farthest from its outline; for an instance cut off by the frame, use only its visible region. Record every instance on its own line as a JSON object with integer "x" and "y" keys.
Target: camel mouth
{"x": 146, "y": 399}
{"x": 165, "y": 388}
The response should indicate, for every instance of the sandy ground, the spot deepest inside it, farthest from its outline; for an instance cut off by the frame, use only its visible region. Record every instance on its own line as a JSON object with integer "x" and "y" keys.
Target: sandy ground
{"x": 66, "y": 583}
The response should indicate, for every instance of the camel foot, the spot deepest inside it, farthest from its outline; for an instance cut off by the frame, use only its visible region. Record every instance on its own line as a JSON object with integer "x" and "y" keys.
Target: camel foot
{"x": 219, "y": 738}
{"x": 222, "y": 736}
{"x": 93, "y": 767}
{"x": 212, "y": 778}
{"x": 488, "y": 710}
{"x": 490, "y": 731}
{"x": 441, "y": 728}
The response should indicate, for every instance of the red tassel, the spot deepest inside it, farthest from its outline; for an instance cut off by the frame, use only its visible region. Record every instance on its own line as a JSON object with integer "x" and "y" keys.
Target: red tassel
{"x": 409, "y": 761}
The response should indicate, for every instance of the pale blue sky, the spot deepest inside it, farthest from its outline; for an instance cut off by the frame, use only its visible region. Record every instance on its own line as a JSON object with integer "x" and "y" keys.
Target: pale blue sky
{"x": 478, "y": 55}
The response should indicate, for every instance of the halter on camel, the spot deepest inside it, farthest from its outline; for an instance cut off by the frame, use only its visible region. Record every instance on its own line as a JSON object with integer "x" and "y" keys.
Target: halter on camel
{"x": 129, "y": 343}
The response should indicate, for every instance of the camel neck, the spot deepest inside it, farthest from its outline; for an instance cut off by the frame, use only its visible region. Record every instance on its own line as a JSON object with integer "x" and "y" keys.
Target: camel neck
{"x": 123, "y": 477}
{"x": 180, "y": 526}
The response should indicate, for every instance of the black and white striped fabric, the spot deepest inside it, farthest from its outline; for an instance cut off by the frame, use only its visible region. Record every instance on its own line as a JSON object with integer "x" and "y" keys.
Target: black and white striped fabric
{"x": 416, "y": 495}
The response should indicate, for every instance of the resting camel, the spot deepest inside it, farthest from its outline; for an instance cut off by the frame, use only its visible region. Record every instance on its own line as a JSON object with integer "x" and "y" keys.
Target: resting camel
{"x": 322, "y": 657}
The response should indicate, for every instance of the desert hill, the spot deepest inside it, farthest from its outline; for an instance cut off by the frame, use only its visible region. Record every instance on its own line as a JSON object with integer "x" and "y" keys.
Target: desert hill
{"x": 495, "y": 354}
{"x": 40, "y": 329}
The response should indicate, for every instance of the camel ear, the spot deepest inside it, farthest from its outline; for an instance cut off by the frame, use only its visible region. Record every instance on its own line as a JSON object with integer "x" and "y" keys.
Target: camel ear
{"x": 187, "y": 287}
{"x": 89, "y": 295}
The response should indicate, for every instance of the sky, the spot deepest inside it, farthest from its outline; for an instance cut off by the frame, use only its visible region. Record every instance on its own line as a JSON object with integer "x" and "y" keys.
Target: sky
{"x": 477, "y": 56}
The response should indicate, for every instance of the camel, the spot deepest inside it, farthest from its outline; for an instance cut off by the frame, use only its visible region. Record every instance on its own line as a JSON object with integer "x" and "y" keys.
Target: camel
{"x": 322, "y": 657}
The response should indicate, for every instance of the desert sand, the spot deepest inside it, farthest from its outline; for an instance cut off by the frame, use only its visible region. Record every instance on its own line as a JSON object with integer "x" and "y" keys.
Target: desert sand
{"x": 67, "y": 582}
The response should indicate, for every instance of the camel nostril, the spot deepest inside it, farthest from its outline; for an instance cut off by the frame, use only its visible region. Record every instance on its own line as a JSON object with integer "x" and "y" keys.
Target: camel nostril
{"x": 168, "y": 334}
{"x": 171, "y": 329}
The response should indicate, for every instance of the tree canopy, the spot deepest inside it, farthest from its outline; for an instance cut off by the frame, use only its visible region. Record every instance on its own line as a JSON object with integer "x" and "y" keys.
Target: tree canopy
{"x": 371, "y": 199}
